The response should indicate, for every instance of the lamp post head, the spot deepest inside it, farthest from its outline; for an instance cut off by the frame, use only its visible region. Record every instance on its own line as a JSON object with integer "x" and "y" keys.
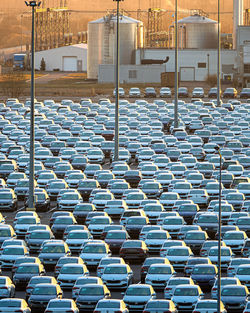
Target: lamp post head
{"x": 33, "y": 3}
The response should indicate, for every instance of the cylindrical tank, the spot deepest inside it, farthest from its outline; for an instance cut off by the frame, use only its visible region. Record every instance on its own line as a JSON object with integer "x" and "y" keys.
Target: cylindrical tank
{"x": 237, "y": 19}
{"x": 102, "y": 42}
{"x": 197, "y": 32}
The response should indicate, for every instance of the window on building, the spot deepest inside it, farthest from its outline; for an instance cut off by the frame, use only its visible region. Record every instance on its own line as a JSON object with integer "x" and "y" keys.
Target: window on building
{"x": 202, "y": 65}
{"x": 132, "y": 74}
{"x": 246, "y": 68}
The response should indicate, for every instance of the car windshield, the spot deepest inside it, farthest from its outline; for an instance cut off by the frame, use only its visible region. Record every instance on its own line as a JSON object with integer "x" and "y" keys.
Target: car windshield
{"x": 178, "y": 282}
{"x": 224, "y": 252}
{"x": 233, "y": 236}
{"x": 94, "y": 249}
{"x": 39, "y": 280}
{"x": 172, "y": 221}
{"x": 42, "y": 290}
{"x": 64, "y": 221}
{"x": 111, "y": 235}
{"x": 159, "y": 270}
{"x": 115, "y": 270}
{"x": 4, "y": 232}
{"x": 233, "y": 292}
{"x": 100, "y": 221}
{"x": 204, "y": 270}
{"x": 78, "y": 235}
{"x": 27, "y": 269}
{"x": 207, "y": 219}
{"x": 72, "y": 270}
{"x": 178, "y": 252}
{"x": 40, "y": 235}
{"x": 10, "y": 304}
{"x": 53, "y": 249}
{"x": 243, "y": 271}
{"x": 136, "y": 221}
{"x": 60, "y": 304}
{"x": 141, "y": 291}
{"x": 13, "y": 251}
{"x": 92, "y": 291}
{"x": 206, "y": 305}
{"x": 157, "y": 236}
{"x": 132, "y": 244}
{"x": 108, "y": 305}
{"x": 26, "y": 220}
{"x": 186, "y": 292}
{"x": 195, "y": 236}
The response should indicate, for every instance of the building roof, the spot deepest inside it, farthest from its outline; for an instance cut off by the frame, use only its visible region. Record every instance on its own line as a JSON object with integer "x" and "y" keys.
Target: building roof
{"x": 196, "y": 19}
{"x": 112, "y": 17}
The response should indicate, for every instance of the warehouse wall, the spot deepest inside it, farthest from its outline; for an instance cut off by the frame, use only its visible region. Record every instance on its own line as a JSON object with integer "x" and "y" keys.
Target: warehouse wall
{"x": 199, "y": 63}
{"x": 131, "y": 73}
{"x": 54, "y": 57}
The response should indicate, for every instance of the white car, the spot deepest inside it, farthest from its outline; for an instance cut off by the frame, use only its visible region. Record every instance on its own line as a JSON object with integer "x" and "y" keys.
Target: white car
{"x": 173, "y": 225}
{"x": 242, "y": 273}
{"x": 199, "y": 196}
{"x": 134, "y": 92}
{"x": 117, "y": 276}
{"x": 198, "y": 92}
{"x": 235, "y": 239}
{"x": 234, "y": 264}
{"x": 69, "y": 273}
{"x": 208, "y": 306}
{"x": 226, "y": 256}
{"x": 121, "y": 92}
{"x": 178, "y": 256}
{"x": 165, "y": 92}
{"x": 155, "y": 239}
{"x": 93, "y": 252}
{"x": 111, "y": 306}
{"x": 159, "y": 274}
{"x": 173, "y": 282}
{"x": 97, "y": 225}
{"x": 83, "y": 280}
{"x": 185, "y": 297}
{"x": 76, "y": 238}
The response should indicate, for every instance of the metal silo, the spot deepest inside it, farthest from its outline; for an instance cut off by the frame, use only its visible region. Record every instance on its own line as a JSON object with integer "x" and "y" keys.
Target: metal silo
{"x": 102, "y": 42}
{"x": 197, "y": 32}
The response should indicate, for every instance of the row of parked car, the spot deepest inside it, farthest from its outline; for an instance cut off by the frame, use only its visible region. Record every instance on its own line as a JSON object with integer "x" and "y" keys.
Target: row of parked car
{"x": 183, "y": 92}
{"x": 158, "y": 205}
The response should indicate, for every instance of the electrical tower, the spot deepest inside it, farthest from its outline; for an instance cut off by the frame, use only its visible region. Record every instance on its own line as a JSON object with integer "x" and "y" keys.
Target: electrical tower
{"x": 155, "y": 35}
{"x": 52, "y": 25}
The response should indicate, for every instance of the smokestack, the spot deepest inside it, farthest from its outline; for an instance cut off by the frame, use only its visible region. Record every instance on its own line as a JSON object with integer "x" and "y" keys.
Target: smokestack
{"x": 237, "y": 18}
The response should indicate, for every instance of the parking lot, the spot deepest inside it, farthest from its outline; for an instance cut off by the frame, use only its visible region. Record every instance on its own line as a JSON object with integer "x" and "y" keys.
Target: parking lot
{"x": 141, "y": 230}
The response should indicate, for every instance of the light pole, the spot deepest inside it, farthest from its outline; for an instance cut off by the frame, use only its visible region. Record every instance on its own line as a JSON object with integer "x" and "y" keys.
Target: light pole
{"x": 31, "y": 205}
{"x": 21, "y": 19}
{"x": 219, "y": 238}
{"x": 218, "y": 57}
{"x": 176, "y": 123}
{"x": 116, "y": 154}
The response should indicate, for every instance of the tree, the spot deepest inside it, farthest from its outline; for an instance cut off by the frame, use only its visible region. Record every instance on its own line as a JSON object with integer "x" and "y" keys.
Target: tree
{"x": 42, "y": 65}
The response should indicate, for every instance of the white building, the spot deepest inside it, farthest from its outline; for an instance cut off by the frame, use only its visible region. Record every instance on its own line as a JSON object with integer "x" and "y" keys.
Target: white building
{"x": 68, "y": 58}
{"x": 193, "y": 64}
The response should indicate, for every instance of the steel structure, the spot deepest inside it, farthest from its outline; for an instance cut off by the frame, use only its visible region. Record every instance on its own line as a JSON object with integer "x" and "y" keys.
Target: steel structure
{"x": 247, "y": 17}
{"x": 52, "y": 25}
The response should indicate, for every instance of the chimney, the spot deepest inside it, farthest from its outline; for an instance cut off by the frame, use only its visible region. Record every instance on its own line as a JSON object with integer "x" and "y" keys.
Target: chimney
{"x": 237, "y": 19}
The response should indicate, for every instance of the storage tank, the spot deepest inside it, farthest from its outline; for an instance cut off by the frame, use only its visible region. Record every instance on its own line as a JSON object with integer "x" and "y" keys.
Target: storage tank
{"x": 102, "y": 41}
{"x": 197, "y": 32}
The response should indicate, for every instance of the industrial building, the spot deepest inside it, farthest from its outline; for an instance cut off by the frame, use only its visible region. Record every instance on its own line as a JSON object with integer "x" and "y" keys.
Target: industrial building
{"x": 68, "y": 58}
{"x": 197, "y": 43}
{"x": 146, "y": 50}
